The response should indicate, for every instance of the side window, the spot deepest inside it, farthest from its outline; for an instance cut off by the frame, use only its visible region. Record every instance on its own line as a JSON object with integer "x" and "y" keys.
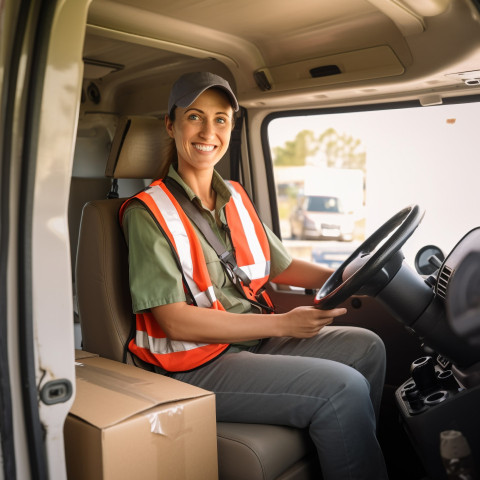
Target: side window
{"x": 340, "y": 176}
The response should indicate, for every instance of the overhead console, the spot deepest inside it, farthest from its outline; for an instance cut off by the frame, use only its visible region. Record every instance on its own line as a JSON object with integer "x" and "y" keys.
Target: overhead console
{"x": 358, "y": 65}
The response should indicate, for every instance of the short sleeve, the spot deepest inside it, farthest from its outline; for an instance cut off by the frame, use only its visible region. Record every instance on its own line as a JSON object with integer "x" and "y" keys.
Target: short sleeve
{"x": 154, "y": 275}
{"x": 280, "y": 259}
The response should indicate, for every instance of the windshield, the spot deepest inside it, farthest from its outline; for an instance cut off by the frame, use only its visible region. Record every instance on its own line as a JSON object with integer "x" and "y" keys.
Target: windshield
{"x": 377, "y": 163}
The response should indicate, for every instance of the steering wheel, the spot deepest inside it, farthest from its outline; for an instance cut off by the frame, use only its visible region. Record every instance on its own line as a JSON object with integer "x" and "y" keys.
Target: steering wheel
{"x": 368, "y": 269}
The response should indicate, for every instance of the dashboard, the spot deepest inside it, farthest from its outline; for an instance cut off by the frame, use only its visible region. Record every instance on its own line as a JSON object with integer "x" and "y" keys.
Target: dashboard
{"x": 443, "y": 390}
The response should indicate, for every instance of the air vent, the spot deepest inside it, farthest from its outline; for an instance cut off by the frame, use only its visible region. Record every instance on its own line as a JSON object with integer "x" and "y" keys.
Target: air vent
{"x": 442, "y": 282}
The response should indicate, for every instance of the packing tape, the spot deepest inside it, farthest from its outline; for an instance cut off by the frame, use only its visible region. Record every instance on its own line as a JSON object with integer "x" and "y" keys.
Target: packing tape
{"x": 168, "y": 422}
{"x": 115, "y": 381}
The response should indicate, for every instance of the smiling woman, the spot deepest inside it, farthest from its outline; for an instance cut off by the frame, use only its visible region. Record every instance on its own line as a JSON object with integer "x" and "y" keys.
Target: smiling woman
{"x": 202, "y": 135}
{"x": 209, "y": 117}
{"x": 206, "y": 313}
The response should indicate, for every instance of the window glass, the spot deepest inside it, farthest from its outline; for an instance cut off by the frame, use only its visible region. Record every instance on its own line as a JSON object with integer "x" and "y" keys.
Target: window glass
{"x": 340, "y": 176}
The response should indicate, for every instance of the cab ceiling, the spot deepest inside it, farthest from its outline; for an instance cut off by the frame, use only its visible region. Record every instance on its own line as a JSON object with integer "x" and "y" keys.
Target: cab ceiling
{"x": 269, "y": 48}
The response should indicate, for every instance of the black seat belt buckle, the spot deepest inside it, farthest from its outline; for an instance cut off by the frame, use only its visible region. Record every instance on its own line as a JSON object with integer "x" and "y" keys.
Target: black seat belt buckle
{"x": 228, "y": 261}
{"x": 234, "y": 271}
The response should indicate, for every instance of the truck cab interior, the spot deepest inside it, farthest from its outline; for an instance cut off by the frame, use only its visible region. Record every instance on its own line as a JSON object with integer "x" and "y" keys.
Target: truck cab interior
{"x": 386, "y": 89}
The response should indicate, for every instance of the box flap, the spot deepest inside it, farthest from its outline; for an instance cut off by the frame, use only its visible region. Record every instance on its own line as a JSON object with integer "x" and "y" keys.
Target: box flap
{"x": 108, "y": 392}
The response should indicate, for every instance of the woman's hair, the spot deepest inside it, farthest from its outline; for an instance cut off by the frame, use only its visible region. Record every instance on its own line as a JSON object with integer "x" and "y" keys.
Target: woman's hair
{"x": 169, "y": 153}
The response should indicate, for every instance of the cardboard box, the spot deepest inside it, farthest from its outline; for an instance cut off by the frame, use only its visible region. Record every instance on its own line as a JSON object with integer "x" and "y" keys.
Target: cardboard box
{"x": 127, "y": 423}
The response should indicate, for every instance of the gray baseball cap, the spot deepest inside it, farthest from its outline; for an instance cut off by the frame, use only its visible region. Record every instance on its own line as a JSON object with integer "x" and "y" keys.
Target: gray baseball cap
{"x": 189, "y": 86}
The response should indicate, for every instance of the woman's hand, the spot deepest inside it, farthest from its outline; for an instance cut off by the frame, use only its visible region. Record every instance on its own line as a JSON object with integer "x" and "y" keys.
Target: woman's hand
{"x": 306, "y": 322}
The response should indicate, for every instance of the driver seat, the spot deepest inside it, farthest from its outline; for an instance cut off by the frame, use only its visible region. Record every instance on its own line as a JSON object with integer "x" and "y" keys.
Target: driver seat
{"x": 245, "y": 451}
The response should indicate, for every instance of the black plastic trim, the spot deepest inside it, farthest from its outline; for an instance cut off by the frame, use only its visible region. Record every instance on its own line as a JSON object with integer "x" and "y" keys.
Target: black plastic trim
{"x": 246, "y": 126}
{"x": 7, "y": 114}
{"x": 236, "y": 146}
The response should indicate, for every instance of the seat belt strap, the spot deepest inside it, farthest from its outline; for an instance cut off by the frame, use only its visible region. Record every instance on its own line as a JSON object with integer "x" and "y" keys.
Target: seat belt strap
{"x": 226, "y": 257}
{"x": 236, "y": 146}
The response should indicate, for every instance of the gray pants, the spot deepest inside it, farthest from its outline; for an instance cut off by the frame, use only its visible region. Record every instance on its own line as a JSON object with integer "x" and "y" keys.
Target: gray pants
{"x": 309, "y": 383}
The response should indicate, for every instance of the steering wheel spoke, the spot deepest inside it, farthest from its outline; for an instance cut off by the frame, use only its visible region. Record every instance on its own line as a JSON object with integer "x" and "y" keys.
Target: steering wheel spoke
{"x": 374, "y": 263}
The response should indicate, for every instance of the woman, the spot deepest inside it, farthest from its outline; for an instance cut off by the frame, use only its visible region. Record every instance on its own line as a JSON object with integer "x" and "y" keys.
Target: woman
{"x": 198, "y": 315}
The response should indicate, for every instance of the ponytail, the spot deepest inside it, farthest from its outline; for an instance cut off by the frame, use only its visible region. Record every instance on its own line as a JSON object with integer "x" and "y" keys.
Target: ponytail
{"x": 169, "y": 153}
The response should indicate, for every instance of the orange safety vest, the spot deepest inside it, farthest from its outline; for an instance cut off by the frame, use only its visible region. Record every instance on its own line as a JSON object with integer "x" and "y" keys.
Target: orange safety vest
{"x": 252, "y": 253}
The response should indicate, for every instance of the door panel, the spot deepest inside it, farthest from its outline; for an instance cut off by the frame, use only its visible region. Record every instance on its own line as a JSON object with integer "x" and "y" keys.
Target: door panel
{"x": 40, "y": 96}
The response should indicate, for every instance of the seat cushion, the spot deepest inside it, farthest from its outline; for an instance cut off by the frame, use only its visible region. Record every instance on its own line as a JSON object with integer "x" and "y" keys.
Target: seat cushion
{"x": 264, "y": 452}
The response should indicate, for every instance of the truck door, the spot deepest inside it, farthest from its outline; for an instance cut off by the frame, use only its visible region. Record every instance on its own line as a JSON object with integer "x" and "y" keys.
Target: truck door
{"x": 40, "y": 82}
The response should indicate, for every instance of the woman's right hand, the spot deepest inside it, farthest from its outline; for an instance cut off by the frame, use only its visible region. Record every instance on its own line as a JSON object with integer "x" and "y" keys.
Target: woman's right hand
{"x": 306, "y": 322}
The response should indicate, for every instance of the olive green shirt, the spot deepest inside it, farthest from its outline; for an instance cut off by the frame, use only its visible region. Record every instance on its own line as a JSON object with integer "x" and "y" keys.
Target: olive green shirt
{"x": 155, "y": 278}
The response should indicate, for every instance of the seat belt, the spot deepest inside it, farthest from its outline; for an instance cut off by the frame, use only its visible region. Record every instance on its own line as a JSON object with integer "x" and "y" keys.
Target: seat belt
{"x": 236, "y": 146}
{"x": 227, "y": 259}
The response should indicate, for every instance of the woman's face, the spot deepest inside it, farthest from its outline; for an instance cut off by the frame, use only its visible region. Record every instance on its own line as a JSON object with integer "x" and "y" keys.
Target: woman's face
{"x": 202, "y": 130}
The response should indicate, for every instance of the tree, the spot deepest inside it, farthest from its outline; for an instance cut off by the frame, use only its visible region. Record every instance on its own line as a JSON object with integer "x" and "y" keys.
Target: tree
{"x": 341, "y": 151}
{"x": 296, "y": 151}
{"x": 329, "y": 149}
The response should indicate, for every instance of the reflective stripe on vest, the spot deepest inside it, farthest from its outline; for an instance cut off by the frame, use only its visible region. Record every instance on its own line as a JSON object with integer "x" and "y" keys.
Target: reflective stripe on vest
{"x": 253, "y": 257}
{"x": 250, "y": 243}
{"x": 184, "y": 239}
{"x": 249, "y": 240}
{"x": 152, "y": 346}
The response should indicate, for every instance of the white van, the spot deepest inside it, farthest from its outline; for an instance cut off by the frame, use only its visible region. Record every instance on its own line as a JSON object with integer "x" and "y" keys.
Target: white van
{"x": 321, "y": 217}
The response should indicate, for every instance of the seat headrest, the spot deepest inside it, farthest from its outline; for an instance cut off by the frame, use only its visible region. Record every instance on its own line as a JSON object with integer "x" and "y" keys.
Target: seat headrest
{"x": 137, "y": 148}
